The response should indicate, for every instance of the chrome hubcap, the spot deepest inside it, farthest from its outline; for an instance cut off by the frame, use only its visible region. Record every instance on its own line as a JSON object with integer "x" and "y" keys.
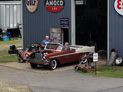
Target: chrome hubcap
{"x": 119, "y": 60}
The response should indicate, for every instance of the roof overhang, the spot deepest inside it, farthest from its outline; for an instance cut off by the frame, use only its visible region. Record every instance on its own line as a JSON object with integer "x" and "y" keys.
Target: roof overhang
{"x": 9, "y": 2}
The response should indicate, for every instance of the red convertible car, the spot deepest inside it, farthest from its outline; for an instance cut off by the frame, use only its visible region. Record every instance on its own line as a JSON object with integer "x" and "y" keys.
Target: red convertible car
{"x": 53, "y": 54}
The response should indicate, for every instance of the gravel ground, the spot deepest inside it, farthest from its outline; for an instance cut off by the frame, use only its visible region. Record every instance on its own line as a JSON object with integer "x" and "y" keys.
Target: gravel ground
{"x": 9, "y": 87}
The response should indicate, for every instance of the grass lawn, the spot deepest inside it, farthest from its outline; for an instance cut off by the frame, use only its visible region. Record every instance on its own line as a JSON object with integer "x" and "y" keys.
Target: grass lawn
{"x": 4, "y": 47}
{"x": 108, "y": 71}
{"x": 10, "y": 42}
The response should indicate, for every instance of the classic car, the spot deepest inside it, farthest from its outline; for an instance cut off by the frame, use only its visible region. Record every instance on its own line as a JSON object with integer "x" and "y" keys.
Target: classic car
{"x": 53, "y": 54}
{"x": 24, "y": 54}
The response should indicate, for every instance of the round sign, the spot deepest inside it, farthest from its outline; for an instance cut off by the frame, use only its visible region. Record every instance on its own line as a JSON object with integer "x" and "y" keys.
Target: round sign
{"x": 54, "y": 5}
{"x": 32, "y": 5}
{"x": 118, "y": 5}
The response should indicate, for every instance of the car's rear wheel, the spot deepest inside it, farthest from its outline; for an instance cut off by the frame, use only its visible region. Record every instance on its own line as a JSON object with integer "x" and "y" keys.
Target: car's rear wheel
{"x": 33, "y": 65}
{"x": 53, "y": 64}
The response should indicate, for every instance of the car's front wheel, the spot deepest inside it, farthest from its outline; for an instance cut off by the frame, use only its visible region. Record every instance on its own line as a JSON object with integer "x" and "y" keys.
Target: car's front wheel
{"x": 53, "y": 64}
{"x": 33, "y": 65}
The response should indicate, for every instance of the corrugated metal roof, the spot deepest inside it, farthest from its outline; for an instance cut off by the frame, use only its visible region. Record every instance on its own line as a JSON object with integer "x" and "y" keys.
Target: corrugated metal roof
{"x": 10, "y": 2}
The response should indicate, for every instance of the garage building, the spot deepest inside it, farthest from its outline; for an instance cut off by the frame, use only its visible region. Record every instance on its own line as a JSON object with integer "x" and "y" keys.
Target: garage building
{"x": 80, "y": 22}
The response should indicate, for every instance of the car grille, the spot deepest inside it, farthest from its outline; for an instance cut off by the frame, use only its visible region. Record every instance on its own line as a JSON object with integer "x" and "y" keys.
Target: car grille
{"x": 36, "y": 57}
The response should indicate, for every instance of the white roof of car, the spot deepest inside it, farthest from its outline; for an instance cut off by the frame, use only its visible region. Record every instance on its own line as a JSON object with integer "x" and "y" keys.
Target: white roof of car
{"x": 80, "y": 48}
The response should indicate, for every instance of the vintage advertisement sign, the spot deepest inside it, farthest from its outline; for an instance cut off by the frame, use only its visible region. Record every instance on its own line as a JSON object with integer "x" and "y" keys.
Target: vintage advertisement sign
{"x": 32, "y": 5}
{"x": 54, "y": 5}
{"x": 118, "y": 5}
{"x": 55, "y": 35}
{"x": 64, "y": 22}
{"x": 79, "y": 2}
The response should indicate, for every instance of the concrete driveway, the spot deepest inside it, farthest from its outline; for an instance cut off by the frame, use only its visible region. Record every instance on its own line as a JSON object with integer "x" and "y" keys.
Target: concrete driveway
{"x": 40, "y": 69}
{"x": 61, "y": 81}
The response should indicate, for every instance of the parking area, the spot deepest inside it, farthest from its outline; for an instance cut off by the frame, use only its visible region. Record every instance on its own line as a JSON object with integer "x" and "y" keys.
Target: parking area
{"x": 41, "y": 69}
{"x": 63, "y": 81}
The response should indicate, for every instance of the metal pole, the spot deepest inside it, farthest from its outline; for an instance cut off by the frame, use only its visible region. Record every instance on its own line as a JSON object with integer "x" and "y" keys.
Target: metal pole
{"x": 9, "y": 16}
{"x": 0, "y": 16}
{"x": 73, "y": 20}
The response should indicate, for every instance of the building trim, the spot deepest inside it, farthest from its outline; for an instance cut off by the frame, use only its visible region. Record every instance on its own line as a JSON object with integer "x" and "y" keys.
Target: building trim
{"x": 73, "y": 21}
{"x": 107, "y": 30}
{"x": 22, "y": 22}
{"x": 10, "y": 2}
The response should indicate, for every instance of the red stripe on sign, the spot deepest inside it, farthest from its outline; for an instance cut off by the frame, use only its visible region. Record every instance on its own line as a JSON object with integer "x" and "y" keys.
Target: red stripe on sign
{"x": 54, "y": 9}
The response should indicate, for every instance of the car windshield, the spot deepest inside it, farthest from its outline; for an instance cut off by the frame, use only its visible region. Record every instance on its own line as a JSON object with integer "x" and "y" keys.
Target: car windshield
{"x": 56, "y": 47}
{"x": 29, "y": 49}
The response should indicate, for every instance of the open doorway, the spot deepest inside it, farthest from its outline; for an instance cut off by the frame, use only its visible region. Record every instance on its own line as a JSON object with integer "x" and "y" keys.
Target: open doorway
{"x": 91, "y": 24}
{"x": 65, "y": 35}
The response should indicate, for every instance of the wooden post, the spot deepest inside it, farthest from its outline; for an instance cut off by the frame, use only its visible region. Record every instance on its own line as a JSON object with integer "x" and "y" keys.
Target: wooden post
{"x": 95, "y": 68}
{"x": 95, "y": 59}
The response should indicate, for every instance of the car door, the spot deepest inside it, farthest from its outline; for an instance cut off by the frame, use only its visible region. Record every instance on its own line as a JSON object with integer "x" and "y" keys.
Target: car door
{"x": 66, "y": 56}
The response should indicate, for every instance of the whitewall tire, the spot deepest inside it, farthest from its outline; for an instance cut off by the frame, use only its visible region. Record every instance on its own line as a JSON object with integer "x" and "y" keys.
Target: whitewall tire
{"x": 53, "y": 64}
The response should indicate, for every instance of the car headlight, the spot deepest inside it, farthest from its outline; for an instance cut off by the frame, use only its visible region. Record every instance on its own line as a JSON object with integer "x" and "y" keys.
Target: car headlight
{"x": 44, "y": 57}
{"x": 27, "y": 55}
{"x": 45, "y": 53}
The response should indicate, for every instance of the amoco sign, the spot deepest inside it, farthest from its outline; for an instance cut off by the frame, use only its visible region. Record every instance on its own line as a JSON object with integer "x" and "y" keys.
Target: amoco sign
{"x": 32, "y": 5}
{"x": 54, "y": 5}
{"x": 119, "y": 6}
